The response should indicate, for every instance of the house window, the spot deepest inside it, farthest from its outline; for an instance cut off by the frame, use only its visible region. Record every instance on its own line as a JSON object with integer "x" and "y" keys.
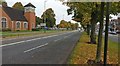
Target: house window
{"x": 33, "y": 26}
{"x": 4, "y": 21}
{"x": 25, "y": 25}
{"x": 18, "y": 25}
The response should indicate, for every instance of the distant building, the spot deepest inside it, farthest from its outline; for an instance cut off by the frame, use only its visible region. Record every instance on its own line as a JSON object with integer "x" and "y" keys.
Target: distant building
{"x": 114, "y": 24}
{"x": 15, "y": 19}
{"x": 118, "y": 25}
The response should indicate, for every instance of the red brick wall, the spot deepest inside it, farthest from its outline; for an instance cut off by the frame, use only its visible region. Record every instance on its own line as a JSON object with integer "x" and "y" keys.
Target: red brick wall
{"x": 11, "y": 24}
{"x": 31, "y": 19}
{"x": 8, "y": 19}
{"x": 21, "y": 26}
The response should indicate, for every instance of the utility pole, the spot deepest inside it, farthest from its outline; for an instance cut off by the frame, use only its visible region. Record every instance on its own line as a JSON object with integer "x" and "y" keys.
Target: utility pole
{"x": 106, "y": 34}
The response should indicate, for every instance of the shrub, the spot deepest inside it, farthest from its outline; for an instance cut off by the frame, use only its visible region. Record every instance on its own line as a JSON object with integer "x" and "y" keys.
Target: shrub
{"x": 36, "y": 29}
{"x": 4, "y": 30}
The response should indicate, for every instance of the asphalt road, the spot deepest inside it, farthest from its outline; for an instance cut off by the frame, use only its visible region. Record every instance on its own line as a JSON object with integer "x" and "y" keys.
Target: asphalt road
{"x": 53, "y": 49}
{"x": 114, "y": 38}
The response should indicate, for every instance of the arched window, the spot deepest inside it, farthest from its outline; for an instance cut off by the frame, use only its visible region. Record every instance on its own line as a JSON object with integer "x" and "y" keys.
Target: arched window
{"x": 33, "y": 26}
{"x": 25, "y": 25}
{"x": 18, "y": 25}
{"x": 4, "y": 21}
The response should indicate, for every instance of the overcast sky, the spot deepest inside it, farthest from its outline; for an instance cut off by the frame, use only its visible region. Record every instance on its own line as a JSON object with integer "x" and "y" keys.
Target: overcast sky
{"x": 59, "y": 9}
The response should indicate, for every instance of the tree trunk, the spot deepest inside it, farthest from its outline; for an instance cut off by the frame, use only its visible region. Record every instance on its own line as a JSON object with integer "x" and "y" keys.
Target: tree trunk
{"x": 106, "y": 34}
{"x": 93, "y": 24}
{"x": 99, "y": 46}
{"x": 93, "y": 35}
{"x": 88, "y": 29}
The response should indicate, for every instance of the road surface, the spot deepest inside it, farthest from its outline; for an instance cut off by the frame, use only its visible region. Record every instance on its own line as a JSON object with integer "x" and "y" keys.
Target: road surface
{"x": 53, "y": 49}
{"x": 114, "y": 38}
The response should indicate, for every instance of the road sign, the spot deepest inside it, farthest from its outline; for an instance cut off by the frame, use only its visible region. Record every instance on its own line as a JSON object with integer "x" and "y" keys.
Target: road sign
{"x": 42, "y": 24}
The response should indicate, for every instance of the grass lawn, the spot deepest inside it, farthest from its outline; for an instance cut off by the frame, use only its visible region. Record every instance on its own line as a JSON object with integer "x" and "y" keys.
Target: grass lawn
{"x": 84, "y": 51}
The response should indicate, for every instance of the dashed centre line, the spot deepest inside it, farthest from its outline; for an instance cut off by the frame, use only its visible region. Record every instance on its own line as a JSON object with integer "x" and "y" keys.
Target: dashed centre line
{"x": 15, "y": 43}
{"x": 66, "y": 36}
{"x": 60, "y": 39}
{"x": 26, "y": 41}
{"x": 35, "y": 48}
{"x": 57, "y": 40}
{"x": 19, "y": 42}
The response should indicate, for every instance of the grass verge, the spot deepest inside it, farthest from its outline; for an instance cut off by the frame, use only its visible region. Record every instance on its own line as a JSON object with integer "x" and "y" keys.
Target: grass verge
{"x": 27, "y": 33}
{"x": 84, "y": 51}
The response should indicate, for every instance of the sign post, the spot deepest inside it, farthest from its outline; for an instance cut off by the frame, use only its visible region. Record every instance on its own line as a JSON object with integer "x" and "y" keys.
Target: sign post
{"x": 43, "y": 25}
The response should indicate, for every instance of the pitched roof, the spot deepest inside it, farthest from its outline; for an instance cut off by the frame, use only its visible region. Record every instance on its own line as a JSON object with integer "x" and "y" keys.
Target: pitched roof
{"x": 15, "y": 14}
{"x": 29, "y": 4}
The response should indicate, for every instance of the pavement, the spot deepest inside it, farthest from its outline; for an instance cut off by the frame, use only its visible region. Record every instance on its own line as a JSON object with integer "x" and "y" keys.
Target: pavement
{"x": 53, "y": 49}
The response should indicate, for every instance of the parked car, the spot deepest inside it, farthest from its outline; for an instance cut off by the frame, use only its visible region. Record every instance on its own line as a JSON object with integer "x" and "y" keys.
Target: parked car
{"x": 113, "y": 32}
{"x": 118, "y": 31}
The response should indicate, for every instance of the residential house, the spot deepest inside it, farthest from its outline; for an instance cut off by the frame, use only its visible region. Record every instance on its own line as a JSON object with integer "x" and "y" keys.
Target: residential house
{"x": 113, "y": 24}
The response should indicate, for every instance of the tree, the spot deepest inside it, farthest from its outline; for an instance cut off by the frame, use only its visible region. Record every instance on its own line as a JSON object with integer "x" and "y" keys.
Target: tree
{"x": 86, "y": 14}
{"x": 106, "y": 34}
{"x": 99, "y": 46}
{"x": 1, "y": 1}
{"x": 68, "y": 25}
{"x": 49, "y": 18}
{"x": 73, "y": 26}
{"x": 114, "y": 9}
{"x": 94, "y": 16}
{"x": 76, "y": 26}
{"x": 97, "y": 15}
{"x": 63, "y": 24}
{"x": 18, "y": 5}
{"x": 4, "y": 4}
{"x": 38, "y": 20}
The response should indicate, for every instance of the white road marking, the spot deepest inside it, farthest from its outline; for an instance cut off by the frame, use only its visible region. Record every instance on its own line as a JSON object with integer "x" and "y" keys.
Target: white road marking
{"x": 57, "y": 40}
{"x": 35, "y": 48}
{"x": 12, "y": 44}
{"x": 49, "y": 36}
{"x": 31, "y": 40}
{"x": 53, "y": 35}
{"x": 19, "y": 42}
{"x": 26, "y": 41}
{"x": 60, "y": 39}
{"x": 65, "y": 36}
{"x": 44, "y": 37}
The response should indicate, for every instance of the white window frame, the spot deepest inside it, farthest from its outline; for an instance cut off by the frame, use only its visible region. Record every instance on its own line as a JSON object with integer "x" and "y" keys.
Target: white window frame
{"x": 29, "y": 9}
{"x": 33, "y": 26}
{"x": 6, "y": 22}
{"x": 16, "y": 24}
{"x": 24, "y": 25}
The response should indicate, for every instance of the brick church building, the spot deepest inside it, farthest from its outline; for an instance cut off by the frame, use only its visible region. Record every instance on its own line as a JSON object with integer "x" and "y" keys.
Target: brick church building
{"x": 17, "y": 20}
